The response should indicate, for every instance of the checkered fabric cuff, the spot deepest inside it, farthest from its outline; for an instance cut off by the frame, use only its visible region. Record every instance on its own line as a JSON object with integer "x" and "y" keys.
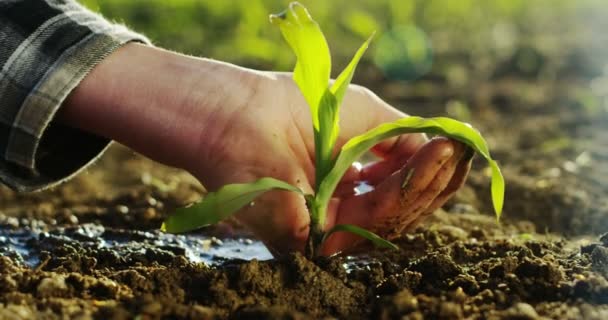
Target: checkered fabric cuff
{"x": 50, "y": 48}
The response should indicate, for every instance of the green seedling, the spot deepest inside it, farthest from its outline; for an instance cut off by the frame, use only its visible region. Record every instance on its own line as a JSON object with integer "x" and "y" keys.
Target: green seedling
{"x": 312, "y": 75}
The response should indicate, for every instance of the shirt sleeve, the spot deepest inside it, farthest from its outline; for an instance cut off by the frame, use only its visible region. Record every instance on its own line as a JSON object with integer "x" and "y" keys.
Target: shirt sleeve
{"x": 46, "y": 48}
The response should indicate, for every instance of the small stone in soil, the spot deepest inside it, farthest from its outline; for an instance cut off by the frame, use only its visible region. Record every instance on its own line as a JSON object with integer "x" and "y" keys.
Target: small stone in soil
{"x": 50, "y": 286}
{"x": 522, "y": 311}
{"x": 588, "y": 248}
{"x": 599, "y": 260}
{"x": 604, "y": 239}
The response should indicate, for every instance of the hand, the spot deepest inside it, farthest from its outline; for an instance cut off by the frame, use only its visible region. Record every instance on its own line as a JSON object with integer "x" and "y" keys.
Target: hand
{"x": 269, "y": 133}
{"x": 227, "y": 124}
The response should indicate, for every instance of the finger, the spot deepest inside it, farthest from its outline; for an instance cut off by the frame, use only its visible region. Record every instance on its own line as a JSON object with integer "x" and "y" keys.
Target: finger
{"x": 376, "y": 172}
{"x": 440, "y": 182}
{"x": 397, "y": 194}
{"x": 394, "y": 158}
{"x": 422, "y": 207}
{"x": 384, "y": 208}
{"x": 345, "y": 190}
{"x": 457, "y": 181}
{"x": 350, "y": 180}
{"x": 447, "y": 181}
{"x": 353, "y": 174}
{"x": 418, "y": 221}
{"x": 403, "y": 146}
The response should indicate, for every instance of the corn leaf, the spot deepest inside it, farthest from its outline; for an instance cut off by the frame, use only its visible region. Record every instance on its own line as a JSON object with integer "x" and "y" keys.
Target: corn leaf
{"x": 221, "y": 204}
{"x": 329, "y": 116}
{"x": 311, "y": 74}
{"x": 497, "y": 187}
{"x": 341, "y": 84}
{"x": 313, "y": 67}
{"x": 325, "y": 137}
{"x": 374, "y": 238}
{"x": 460, "y": 131}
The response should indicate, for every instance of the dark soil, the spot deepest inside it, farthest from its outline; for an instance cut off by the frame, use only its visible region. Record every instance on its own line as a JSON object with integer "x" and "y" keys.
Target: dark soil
{"x": 90, "y": 248}
{"x": 462, "y": 266}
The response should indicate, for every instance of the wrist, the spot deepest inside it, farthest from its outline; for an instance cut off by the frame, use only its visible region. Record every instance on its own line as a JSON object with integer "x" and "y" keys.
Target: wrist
{"x": 154, "y": 101}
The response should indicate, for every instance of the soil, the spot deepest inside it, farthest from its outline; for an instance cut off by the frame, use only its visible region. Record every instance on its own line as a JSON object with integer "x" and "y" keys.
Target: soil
{"x": 90, "y": 248}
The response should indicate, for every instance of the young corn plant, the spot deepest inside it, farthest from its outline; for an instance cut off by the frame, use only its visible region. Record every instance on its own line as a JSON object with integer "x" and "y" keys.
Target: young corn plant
{"x": 312, "y": 75}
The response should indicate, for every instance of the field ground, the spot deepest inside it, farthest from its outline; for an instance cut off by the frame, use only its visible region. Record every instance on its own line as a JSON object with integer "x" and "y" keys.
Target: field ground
{"x": 90, "y": 248}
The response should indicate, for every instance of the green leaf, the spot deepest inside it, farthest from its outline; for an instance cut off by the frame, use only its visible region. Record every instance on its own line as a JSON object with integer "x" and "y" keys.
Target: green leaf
{"x": 311, "y": 74}
{"x": 329, "y": 116}
{"x": 341, "y": 84}
{"x": 358, "y": 145}
{"x": 374, "y": 238}
{"x": 313, "y": 67}
{"x": 222, "y": 204}
{"x": 497, "y": 188}
{"x": 324, "y": 146}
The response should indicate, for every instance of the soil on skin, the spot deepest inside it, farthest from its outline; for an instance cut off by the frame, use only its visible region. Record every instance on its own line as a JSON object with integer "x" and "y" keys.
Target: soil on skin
{"x": 89, "y": 249}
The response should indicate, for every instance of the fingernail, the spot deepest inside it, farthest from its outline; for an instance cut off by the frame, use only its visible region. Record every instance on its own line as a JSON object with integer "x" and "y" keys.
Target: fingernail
{"x": 407, "y": 179}
{"x": 446, "y": 151}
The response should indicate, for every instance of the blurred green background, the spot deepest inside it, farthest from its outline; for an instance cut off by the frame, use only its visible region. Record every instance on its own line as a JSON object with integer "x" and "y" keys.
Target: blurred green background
{"x": 447, "y": 51}
{"x": 414, "y": 36}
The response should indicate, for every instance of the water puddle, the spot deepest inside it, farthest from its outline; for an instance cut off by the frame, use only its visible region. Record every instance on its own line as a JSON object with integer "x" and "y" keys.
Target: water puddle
{"x": 26, "y": 244}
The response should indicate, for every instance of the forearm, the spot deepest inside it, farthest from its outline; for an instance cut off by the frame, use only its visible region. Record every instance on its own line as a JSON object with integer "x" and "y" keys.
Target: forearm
{"x": 154, "y": 101}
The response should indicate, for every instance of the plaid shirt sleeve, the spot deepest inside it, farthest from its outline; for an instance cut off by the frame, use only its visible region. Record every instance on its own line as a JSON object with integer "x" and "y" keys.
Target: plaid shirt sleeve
{"x": 46, "y": 48}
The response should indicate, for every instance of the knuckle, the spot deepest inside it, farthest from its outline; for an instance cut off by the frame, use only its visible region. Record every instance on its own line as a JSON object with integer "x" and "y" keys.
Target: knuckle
{"x": 362, "y": 92}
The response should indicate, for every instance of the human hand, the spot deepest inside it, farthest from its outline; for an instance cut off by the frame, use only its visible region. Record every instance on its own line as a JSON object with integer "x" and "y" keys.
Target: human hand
{"x": 270, "y": 134}
{"x": 227, "y": 124}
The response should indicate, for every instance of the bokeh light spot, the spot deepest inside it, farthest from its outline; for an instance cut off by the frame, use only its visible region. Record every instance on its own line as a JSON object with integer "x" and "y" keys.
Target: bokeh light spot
{"x": 404, "y": 53}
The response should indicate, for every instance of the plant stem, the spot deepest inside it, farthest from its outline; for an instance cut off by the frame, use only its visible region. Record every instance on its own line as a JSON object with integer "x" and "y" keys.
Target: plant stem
{"x": 315, "y": 238}
{"x": 315, "y": 233}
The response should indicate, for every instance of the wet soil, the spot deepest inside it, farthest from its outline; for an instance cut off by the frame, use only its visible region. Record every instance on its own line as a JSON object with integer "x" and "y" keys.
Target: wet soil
{"x": 461, "y": 266}
{"x": 90, "y": 248}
